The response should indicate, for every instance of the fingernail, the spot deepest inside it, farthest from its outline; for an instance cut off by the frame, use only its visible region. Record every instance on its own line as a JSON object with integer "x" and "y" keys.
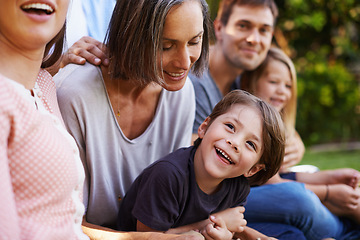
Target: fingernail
{"x": 97, "y": 61}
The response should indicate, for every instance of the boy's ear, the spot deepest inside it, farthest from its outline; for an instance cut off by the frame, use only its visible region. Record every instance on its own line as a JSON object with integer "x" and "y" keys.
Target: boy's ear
{"x": 203, "y": 127}
{"x": 258, "y": 167}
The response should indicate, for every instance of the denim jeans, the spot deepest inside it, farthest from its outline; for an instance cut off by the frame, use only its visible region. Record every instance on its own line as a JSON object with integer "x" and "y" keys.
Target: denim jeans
{"x": 278, "y": 230}
{"x": 291, "y": 203}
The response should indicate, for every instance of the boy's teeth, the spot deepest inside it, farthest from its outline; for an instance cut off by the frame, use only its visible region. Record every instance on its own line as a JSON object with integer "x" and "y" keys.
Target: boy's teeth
{"x": 224, "y": 154}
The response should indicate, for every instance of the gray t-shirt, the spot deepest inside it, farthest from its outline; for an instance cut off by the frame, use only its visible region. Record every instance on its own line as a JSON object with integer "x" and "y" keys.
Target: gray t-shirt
{"x": 112, "y": 161}
{"x": 207, "y": 96}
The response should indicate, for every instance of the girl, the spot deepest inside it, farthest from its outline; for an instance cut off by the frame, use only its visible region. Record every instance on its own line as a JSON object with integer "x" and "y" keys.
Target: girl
{"x": 275, "y": 82}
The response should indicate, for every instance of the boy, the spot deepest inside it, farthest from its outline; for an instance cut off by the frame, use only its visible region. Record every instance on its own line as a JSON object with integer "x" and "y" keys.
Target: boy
{"x": 240, "y": 144}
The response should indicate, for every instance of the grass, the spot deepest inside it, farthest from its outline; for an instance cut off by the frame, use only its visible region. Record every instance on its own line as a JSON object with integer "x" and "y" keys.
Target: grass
{"x": 333, "y": 159}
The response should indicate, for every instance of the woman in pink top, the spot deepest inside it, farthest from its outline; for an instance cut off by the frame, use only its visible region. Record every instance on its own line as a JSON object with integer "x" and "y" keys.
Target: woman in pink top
{"x": 41, "y": 177}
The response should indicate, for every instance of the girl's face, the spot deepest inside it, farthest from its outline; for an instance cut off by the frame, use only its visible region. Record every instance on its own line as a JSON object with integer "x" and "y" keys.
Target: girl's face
{"x": 182, "y": 42}
{"x": 30, "y": 24}
{"x": 275, "y": 84}
{"x": 232, "y": 145}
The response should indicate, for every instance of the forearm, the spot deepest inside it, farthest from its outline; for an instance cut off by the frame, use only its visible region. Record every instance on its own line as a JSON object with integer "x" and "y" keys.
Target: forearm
{"x": 322, "y": 191}
{"x": 190, "y": 227}
{"x": 250, "y": 234}
{"x": 321, "y": 177}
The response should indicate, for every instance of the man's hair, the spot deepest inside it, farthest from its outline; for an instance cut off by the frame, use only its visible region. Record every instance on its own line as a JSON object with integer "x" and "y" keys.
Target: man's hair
{"x": 226, "y": 6}
{"x": 134, "y": 39}
{"x": 273, "y": 132}
{"x": 249, "y": 82}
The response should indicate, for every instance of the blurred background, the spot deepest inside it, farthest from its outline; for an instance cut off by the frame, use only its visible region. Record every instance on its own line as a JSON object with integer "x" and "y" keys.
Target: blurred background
{"x": 322, "y": 37}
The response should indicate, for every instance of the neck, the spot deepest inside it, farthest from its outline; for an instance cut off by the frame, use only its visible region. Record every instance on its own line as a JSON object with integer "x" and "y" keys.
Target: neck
{"x": 206, "y": 183}
{"x": 19, "y": 65}
{"x": 126, "y": 88}
{"x": 223, "y": 73}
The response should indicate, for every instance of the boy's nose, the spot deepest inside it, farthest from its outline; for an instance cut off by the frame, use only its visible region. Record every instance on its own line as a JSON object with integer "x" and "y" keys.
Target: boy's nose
{"x": 232, "y": 145}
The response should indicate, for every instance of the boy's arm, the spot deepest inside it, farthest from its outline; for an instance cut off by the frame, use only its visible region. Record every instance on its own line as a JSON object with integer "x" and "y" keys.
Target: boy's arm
{"x": 251, "y": 234}
{"x": 190, "y": 234}
{"x": 233, "y": 218}
{"x": 95, "y": 232}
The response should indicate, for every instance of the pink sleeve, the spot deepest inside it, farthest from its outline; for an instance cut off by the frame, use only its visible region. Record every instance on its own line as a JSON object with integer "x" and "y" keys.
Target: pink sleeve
{"x": 9, "y": 222}
{"x": 49, "y": 98}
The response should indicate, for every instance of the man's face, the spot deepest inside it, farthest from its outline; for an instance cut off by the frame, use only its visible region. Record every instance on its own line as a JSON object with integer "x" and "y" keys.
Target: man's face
{"x": 246, "y": 38}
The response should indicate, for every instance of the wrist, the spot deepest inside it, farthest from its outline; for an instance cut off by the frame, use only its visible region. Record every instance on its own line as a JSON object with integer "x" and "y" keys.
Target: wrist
{"x": 326, "y": 193}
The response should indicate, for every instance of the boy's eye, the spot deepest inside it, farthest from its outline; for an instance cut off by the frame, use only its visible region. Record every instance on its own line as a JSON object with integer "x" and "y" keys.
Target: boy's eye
{"x": 251, "y": 144}
{"x": 229, "y": 125}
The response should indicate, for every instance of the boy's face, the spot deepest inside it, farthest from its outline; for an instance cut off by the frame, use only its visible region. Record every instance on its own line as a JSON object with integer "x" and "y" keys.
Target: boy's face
{"x": 232, "y": 145}
{"x": 246, "y": 38}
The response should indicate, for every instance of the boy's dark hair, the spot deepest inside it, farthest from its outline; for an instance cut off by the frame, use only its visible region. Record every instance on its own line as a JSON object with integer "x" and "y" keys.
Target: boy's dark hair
{"x": 134, "y": 39}
{"x": 273, "y": 132}
{"x": 226, "y": 6}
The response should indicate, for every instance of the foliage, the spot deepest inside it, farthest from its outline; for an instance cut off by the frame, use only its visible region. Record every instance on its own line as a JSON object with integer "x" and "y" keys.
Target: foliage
{"x": 330, "y": 160}
{"x": 323, "y": 38}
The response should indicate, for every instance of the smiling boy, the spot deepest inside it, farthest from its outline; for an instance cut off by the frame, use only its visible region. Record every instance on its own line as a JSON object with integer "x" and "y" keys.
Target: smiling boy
{"x": 240, "y": 143}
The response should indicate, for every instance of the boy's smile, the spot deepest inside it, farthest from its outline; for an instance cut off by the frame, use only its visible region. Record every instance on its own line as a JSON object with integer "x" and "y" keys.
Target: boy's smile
{"x": 231, "y": 146}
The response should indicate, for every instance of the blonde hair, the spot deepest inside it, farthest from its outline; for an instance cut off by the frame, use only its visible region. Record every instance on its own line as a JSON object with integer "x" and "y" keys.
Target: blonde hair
{"x": 249, "y": 82}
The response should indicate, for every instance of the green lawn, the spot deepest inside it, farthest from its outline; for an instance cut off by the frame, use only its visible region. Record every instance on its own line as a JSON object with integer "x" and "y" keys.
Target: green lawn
{"x": 333, "y": 160}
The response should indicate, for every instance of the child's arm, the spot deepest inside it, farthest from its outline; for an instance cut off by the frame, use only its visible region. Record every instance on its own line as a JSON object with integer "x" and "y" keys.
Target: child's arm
{"x": 233, "y": 218}
{"x": 216, "y": 230}
{"x": 251, "y": 234}
{"x": 193, "y": 235}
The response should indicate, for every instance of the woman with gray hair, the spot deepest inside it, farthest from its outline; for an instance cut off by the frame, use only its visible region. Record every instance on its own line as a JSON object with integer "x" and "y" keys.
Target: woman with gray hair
{"x": 141, "y": 106}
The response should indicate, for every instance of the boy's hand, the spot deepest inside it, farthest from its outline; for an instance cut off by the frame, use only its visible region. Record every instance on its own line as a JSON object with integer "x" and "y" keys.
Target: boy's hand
{"x": 233, "y": 218}
{"x": 216, "y": 230}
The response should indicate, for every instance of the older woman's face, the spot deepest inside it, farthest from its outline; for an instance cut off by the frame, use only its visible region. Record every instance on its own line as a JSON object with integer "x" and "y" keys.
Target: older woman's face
{"x": 182, "y": 42}
{"x": 28, "y": 25}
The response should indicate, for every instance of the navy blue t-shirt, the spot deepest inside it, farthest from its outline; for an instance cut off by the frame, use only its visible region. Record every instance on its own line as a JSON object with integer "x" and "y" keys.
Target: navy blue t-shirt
{"x": 165, "y": 195}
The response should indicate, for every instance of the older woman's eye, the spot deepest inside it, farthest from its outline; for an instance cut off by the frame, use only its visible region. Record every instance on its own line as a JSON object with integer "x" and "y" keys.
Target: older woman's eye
{"x": 167, "y": 46}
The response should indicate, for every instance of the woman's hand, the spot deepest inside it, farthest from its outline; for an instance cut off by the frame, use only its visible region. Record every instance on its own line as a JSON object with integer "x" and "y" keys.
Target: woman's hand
{"x": 343, "y": 196}
{"x": 85, "y": 49}
{"x": 346, "y": 176}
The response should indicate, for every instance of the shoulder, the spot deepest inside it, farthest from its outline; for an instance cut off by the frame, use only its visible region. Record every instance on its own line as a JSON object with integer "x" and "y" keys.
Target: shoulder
{"x": 174, "y": 164}
{"x": 78, "y": 81}
{"x": 73, "y": 74}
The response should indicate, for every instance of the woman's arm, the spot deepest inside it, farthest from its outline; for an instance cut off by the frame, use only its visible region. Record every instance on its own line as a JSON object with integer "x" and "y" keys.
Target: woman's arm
{"x": 348, "y": 176}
